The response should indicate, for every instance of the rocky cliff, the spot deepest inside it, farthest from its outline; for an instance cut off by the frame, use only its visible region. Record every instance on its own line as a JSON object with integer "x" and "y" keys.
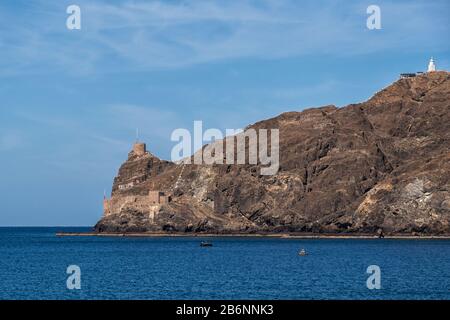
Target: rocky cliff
{"x": 383, "y": 164}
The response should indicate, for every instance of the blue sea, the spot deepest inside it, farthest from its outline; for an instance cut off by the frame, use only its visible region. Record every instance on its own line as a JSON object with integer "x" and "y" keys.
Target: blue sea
{"x": 34, "y": 261}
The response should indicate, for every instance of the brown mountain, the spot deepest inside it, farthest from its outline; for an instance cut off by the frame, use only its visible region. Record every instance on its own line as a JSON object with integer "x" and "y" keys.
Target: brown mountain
{"x": 383, "y": 164}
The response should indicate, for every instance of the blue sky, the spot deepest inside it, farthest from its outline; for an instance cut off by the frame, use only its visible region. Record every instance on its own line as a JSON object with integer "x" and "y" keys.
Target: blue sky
{"x": 71, "y": 99}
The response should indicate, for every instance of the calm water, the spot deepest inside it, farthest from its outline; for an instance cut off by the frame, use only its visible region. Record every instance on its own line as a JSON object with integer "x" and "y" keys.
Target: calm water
{"x": 33, "y": 264}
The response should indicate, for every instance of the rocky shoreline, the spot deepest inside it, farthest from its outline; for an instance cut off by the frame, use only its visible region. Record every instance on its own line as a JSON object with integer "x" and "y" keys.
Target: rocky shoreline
{"x": 243, "y": 235}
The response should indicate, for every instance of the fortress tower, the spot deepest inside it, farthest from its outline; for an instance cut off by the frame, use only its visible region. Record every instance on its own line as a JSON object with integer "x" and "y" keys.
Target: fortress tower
{"x": 106, "y": 206}
{"x": 158, "y": 197}
{"x": 139, "y": 148}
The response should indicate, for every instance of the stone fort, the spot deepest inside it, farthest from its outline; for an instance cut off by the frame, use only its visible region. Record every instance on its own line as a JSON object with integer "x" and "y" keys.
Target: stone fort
{"x": 139, "y": 149}
{"x": 153, "y": 198}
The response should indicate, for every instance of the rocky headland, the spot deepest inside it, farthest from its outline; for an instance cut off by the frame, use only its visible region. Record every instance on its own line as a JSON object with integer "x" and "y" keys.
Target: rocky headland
{"x": 378, "y": 166}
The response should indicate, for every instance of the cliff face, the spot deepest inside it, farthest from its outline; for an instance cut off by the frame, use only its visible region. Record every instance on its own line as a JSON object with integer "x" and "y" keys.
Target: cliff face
{"x": 382, "y": 164}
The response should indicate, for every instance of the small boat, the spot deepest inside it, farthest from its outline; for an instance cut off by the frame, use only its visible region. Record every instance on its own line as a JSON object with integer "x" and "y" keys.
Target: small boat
{"x": 302, "y": 253}
{"x": 205, "y": 244}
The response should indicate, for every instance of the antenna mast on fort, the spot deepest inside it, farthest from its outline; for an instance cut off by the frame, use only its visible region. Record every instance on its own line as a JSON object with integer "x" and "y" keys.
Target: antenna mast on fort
{"x": 137, "y": 135}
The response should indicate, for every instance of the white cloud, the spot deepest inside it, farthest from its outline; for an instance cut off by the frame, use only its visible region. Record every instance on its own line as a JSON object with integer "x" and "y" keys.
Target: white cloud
{"x": 10, "y": 140}
{"x": 103, "y": 131}
{"x": 156, "y": 122}
{"x": 141, "y": 35}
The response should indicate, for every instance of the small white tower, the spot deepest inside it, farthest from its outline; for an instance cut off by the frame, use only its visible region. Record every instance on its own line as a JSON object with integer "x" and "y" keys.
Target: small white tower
{"x": 431, "y": 65}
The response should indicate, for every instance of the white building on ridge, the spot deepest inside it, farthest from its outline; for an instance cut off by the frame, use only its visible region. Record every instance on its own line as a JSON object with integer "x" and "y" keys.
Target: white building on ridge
{"x": 431, "y": 65}
{"x": 431, "y": 68}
